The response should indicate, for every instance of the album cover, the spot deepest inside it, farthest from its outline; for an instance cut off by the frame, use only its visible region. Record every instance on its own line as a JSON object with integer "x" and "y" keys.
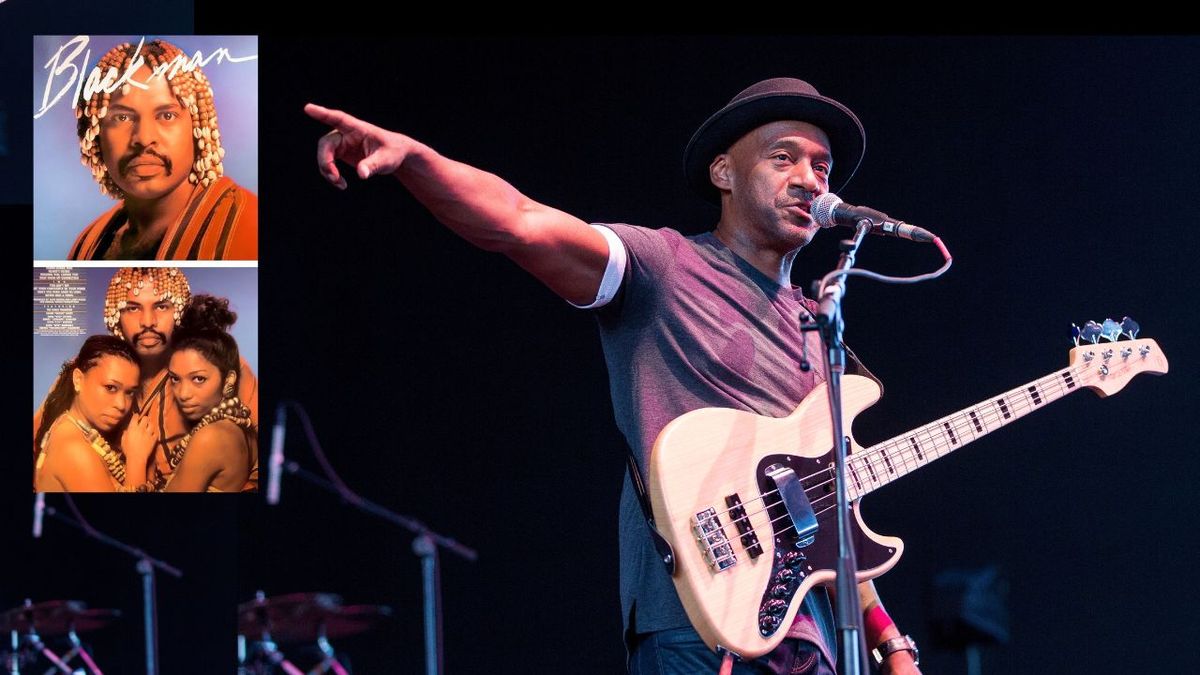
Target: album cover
{"x": 150, "y": 363}
{"x": 145, "y": 147}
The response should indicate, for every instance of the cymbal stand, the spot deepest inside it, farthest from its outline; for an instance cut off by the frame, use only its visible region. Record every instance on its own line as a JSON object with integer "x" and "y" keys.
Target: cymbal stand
{"x": 329, "y": 662}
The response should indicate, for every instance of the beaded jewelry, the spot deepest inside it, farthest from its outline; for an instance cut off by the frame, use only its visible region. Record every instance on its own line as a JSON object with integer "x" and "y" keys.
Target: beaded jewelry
{"x": 188, "y": 85}
{"x": 230, "y": 408}
{"x": 166, "y": 283}
{"x": 113, "y": 460}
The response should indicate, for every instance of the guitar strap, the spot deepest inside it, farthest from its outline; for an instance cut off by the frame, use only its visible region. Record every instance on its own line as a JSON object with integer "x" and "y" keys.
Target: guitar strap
{"x": 665, "y": 553}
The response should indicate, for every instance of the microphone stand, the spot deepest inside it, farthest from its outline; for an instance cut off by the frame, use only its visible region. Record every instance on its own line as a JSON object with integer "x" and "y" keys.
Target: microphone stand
{"x": 852, "y": 656}
{"x": 145, "y": 567}
{"x": 425, "y": 546}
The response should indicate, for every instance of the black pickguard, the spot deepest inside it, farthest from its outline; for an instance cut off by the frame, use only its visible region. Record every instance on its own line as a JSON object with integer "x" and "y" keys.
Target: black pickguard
{"x": 792, "y": 564}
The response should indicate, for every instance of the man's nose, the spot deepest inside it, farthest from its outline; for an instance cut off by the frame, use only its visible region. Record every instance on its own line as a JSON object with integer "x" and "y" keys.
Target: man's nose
{"x": 803, "y": 178}
{"x": 144, "y": 133}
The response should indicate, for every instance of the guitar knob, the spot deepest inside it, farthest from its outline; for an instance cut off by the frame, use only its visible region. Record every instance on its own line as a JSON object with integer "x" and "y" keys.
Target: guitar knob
{"x": 786, "y": 575}
{"x": 779, "y": 591}
{"x": 776, "y": 607}
{"x": 793, "y": 559}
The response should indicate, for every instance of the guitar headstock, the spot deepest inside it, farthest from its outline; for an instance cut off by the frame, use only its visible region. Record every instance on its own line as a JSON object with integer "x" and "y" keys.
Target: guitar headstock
{"x": 1107, "y": 355}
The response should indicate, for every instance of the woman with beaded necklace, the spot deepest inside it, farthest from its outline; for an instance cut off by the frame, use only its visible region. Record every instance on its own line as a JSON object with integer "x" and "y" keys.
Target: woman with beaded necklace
{"x": 219, "y": 453}
{"x": 85, "y": 411}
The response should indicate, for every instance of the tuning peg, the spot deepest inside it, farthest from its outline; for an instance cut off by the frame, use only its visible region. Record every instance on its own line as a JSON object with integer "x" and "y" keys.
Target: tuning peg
{"x": 1091, "y": 332}
{"x": 1110, "y": 331}
{"x": 1075, "y": 334}
{"x": 1130, "y": 327}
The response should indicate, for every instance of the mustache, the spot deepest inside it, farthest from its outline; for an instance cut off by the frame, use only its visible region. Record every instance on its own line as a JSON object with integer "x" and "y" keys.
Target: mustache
{"x": 123, "y": 164}
{"x": 150, "y": 331}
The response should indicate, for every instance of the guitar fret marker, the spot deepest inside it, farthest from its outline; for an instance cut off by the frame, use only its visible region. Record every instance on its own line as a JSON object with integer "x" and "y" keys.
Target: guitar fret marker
{"x": 975, "y": 420}
{"x": 953, "y": 440}
{"x": 887, "y": 462}
{"x": 1037, "y": 398}
{"x": 1004, "y": 408}
{"x": 1069, "y": 380}
{"x": 916, "y": 446}
{"x": 857, "y": 482}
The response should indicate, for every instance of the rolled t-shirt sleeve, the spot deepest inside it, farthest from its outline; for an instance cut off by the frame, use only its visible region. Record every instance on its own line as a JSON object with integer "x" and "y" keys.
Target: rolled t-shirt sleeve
{"x": 614, "y": 270}
{"x": 646, "y": 258}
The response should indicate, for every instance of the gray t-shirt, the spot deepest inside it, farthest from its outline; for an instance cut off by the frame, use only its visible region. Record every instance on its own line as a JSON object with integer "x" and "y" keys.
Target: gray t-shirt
{"x": 695, "y": 326}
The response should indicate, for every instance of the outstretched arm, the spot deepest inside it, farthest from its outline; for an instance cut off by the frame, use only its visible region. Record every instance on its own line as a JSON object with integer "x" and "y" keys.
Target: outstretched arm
{"x": 559, "y": 249}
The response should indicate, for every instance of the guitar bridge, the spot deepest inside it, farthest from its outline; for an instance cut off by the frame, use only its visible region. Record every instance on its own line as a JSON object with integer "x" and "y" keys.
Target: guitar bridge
{"x": 713, "y": 541}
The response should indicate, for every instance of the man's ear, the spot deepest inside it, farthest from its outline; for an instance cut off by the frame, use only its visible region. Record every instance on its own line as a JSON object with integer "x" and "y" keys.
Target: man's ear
{"x": 719, "y": 172}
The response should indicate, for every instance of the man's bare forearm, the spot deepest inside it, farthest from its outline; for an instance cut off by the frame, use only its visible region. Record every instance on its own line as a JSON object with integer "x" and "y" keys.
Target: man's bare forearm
{"x": 557, "y": 248}
{"x": 479, "y": 206}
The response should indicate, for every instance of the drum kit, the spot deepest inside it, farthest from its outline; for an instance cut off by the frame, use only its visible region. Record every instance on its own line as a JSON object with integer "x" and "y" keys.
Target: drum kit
{"x": 306, "y": 620}
{"x": 58, "y": 622}
{"x": 44, "y": 636}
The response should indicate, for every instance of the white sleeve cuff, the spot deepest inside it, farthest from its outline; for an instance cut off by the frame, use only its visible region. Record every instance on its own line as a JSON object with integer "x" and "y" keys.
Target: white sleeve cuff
{"x": 614, "y": 271}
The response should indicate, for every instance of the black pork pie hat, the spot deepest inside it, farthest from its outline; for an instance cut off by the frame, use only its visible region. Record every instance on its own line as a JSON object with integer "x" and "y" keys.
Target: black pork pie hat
{"x": 780, "y": 98}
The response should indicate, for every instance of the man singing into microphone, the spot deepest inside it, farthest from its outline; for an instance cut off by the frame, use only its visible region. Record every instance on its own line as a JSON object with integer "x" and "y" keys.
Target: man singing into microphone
{"x": 686, "y": 322}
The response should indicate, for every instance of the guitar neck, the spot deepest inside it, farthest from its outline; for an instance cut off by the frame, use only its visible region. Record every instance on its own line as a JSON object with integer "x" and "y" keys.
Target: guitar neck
{"x": 880, "y": 464}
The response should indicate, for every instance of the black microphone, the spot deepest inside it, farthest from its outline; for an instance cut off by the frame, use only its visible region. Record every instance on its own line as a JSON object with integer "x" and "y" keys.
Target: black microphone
{"x": 39, "y": 510}
{"x": 276, "y": 454}
{"x": 829, "y": 210}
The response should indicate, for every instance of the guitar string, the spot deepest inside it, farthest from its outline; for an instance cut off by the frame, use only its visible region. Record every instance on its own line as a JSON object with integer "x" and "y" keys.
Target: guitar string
{"x": 876, "y": 455}
{"x": 866, "y": 455}
{"x": 772, "y": 521}
{"x": 933, "y": 442}
{"x": 767, "y": 506}
{"x": 1027, "y": 404}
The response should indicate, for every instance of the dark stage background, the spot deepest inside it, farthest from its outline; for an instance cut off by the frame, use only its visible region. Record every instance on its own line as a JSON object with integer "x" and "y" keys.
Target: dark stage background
{"x": 446, "y": 384}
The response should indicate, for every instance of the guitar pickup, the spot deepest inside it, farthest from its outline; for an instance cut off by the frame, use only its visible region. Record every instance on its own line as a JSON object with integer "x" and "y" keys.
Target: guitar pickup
{"x": 791, "y": 491}
{"x": 713, "y": 541}
{"x": 737, "y": 512}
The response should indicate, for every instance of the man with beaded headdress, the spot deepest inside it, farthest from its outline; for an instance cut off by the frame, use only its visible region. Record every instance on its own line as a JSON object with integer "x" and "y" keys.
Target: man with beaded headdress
{"x": 143, "y": 306}
{"x": 154, "y": 145}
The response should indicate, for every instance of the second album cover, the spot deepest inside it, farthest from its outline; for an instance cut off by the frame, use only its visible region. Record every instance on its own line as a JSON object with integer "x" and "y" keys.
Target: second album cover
{"x": 152, "y": 370}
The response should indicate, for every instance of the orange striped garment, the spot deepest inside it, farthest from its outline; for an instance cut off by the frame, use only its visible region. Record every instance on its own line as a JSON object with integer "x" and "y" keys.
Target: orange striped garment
{"x": 220, "y": 222}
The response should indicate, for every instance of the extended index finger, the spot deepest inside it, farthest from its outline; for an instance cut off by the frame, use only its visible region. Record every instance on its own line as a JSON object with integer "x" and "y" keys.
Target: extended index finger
{"x": 334, "y": 118}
